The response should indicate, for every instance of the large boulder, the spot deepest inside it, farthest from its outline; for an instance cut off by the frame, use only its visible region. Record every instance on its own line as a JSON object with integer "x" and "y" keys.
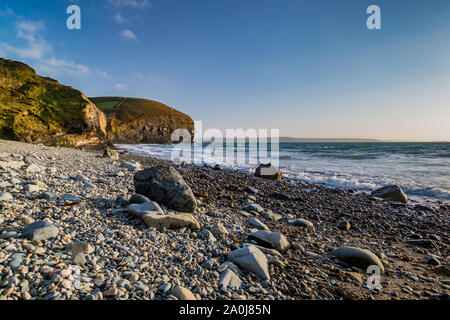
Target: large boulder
{"x": 174, "y": 221}
{"x": 251, "y": 259}
{"x": 269, "y": 239}
{"x": 268, "y": 171}
{"x": 165, "y": 185}
{"x": 392, "y": 193}
{"x": 358, "y": 257}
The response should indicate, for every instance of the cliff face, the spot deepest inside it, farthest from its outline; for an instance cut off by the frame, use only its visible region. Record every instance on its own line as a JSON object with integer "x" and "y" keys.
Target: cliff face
{"x": 37, "y": 109}
{"x": 133, "y": 120}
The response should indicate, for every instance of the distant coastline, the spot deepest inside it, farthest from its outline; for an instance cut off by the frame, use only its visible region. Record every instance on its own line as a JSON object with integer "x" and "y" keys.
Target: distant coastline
{"x": 355, "y": 140}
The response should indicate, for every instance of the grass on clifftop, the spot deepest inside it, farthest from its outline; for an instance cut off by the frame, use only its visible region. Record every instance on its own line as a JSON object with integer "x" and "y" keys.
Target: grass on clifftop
{"x": 34, "y": 108}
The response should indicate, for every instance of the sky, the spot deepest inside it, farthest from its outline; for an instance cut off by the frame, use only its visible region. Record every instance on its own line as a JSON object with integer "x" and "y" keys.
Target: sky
{"x": 309, "y": 68}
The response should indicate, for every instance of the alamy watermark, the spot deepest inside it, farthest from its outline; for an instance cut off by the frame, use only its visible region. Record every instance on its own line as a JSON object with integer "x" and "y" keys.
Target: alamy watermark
{"x": 234, "y": 146}
{"x": 73, "y": 22}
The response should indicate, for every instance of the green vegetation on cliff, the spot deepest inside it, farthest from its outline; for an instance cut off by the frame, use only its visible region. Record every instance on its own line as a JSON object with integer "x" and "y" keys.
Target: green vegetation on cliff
{"x": 132, "y": 120}
{"x": 40, "y": 109}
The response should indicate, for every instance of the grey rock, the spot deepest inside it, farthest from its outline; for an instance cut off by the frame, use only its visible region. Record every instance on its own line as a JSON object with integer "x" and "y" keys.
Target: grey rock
{"x": 183, "y": 294}
{"x": 308, "y": 225}
{"x": 208, "y": 235}
{"x": 229, "y": 279}
{"x": 251, "y": 259}
{"x": 5, "y": 196}
{"x": 255, "y": 223}
{"x": 79, "y": 259}
{"x": 269, "y": 239}
{"x": 358, "y": 257}
{"x": 131, "y": 166}
{"x": 141, "y": 209}
{"x": 252, "y": 207}
{"x": 165, "y": 185}
{"x": 138, "y": 198}
{"x": 391, "y": 192}
{"x": 343, "y": 225}
{"x": 49, "y": 196}
{"x": 40, "y": 230}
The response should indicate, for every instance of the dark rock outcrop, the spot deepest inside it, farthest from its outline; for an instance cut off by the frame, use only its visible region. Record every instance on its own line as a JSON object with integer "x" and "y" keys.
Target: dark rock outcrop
{"x": 268, "y": 171}
{"x": 391, "y": 192}
{"x": 166, "y": 186}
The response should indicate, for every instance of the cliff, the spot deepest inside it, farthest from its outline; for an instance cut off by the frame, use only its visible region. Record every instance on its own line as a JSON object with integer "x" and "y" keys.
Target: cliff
{"x": 132, "y": 120}
{"x": 41, "y": 110}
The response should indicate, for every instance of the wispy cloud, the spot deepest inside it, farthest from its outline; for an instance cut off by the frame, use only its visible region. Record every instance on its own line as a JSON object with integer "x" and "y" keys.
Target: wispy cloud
{"x": 6, "y": 13}
{"x": 121, "y": 87}
{"x": 131, "y": 3}
{"x": 146, "y": 77}
{"x": 127, "y": 34}
{"x": 119, "y": 18}
{"x": 40, "y": 52}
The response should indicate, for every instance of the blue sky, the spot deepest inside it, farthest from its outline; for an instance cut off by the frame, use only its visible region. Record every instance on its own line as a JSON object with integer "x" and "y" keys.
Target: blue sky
{"x": 309, "y": 68}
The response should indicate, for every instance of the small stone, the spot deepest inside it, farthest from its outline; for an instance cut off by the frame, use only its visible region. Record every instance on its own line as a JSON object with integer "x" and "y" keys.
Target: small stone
{"x": 79, "y": 259}
{"x": 5, "y": 196}
{"x": 343, "y": 225}
{"x": 183, "y": 294}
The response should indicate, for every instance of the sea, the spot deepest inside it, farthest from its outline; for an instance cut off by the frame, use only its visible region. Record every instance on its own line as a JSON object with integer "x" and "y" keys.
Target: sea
{"x": 421, "y": 169}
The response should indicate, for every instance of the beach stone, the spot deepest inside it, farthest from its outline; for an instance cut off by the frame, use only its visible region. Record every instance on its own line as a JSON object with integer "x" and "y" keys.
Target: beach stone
{"x": 252, "y": 207}
{"x": 357, "y": 257}
{"x": 251, "y": 190}
{"x": 175, "y": 221}
{"x": 79, "y": 259}
{"x": 70, "y": 198}
{"x": 165, "y": 185}
{"x": 218, "y": 230}
{"x": 33, "y": 168}
{"x": 89, "y": 185}
{"x": 32, "y": 188}
{"x": 5, "y": 196}
{"x": 229, "y": 279}
{"x": 342, "y": 225}
{"x": 49, "y": 196}
{"x": 11, "y": 164}
{"x": 268, "y": 171}
{"x": 131, "y": 166}
{"x": 308, "y": 225}
{"x": 392, "y": 193}
{"x": 271, "y": 216}
{"x": 426, "y": 243}
{"x": 251, "y": 259}
{"x": 269, "y": 239}
{"x": 80, "y": 177}
{"x": 80, "y": 247}
{"x": 208, "y": 235}
{"x": 255, "y": 223}
{"x": 40, "y": 230}
{"x": 183, "y": 294}
{"x": 138, "y": 198}
{"x": 141, "y": 209}
{"x": 109, "y": 153}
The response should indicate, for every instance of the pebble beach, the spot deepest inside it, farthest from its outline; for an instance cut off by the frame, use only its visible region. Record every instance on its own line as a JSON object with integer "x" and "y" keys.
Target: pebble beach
{"x": 72, "y": 227}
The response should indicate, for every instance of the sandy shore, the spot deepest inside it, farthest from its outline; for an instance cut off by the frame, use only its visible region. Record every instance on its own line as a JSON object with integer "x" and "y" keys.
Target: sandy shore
{"x": 100, "y": 251}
